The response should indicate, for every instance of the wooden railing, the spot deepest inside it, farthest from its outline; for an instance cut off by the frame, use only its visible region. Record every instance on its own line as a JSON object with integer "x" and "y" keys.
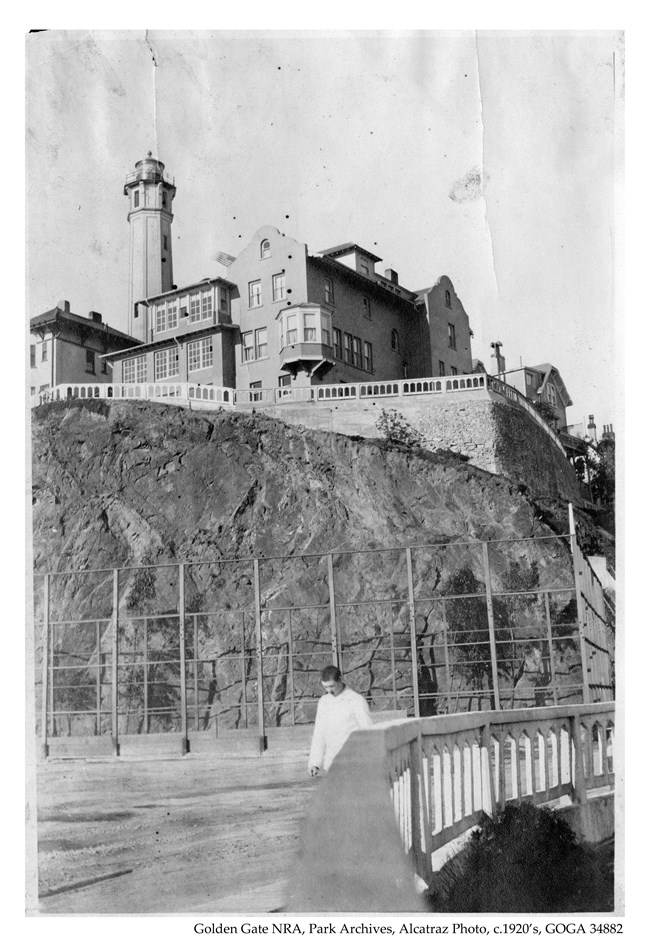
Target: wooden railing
{"x": 424, "y": 782}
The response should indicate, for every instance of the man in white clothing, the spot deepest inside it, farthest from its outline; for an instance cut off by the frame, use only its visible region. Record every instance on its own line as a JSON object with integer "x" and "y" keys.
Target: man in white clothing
{"x": 340, "y": 712}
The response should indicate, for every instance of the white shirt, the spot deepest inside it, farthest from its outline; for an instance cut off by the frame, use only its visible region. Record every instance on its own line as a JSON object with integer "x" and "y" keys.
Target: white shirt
{"x": 337, "y": 716}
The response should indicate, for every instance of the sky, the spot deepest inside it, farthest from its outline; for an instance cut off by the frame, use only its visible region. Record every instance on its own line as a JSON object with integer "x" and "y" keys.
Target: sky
{"x": 492, "y": 157}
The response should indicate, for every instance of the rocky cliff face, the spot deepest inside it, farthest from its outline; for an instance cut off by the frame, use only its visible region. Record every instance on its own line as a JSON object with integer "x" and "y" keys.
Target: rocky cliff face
{"x": 126, "y": 484}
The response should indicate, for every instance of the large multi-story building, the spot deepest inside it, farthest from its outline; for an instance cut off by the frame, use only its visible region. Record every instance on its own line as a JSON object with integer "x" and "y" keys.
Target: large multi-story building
{"x": 65, "y": 347}
{"x": 284, "y": 317}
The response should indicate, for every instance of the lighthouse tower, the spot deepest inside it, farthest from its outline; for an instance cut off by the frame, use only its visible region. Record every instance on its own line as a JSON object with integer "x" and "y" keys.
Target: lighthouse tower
{"x": 150, "y": 191}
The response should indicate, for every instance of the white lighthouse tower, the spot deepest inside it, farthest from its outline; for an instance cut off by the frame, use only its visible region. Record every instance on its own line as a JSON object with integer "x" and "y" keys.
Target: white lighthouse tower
{"x": 150, "y": 191}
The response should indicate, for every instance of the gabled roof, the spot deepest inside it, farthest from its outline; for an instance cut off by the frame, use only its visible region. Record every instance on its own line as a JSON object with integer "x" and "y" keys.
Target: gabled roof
{"x": 62, "y": 317}
{"x": 346, "y": 249}
{"x": 548, "y": 370}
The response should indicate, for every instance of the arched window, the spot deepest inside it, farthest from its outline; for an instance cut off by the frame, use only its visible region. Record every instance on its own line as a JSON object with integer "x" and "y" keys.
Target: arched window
{"x": 265, "y": 249}
{"x": 448, "y": 299}
{"x": 394, "y": 340}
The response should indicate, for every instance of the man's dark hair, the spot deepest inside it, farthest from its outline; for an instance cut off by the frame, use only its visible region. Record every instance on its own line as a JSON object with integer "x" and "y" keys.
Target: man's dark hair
{"x": 330, "y": 673}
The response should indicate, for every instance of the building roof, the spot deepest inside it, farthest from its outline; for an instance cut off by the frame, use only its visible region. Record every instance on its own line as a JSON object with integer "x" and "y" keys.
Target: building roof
{"x": 193, "y": 286}
{"x": 64, "y": 317}
{"x": 141, "y": 348}
{"x": 367, "y": 285}
{"x": 346, "y": 249}
{"x": 547, "y": 370}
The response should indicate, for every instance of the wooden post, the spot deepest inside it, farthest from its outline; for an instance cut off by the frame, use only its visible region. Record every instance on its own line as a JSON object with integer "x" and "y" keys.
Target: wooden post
{"x": 181, "y": 638}
{"x": 98, "y": 680}
{"x": 490, "y": 613}
{"x": 336, "y": 658}
{"x": 114, "y": 684}
{"x": 549, "y": 633}
{"x": 260, "y": 657}
{"x": 578, "y": 562}
{"x": 243, "y": 670}
{"x": 445, "y": 640}
{"x": 45, "y": 665}
{"x": 392, "y": 656}
{"x": 196, "y": 671}
{"x": 290, "y": 666}
{"x": 145, "y": 675}
{"x": 414, "y": 637}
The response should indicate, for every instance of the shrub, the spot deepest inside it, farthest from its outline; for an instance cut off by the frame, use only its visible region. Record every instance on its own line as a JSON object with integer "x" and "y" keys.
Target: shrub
{"x": 395, "y": 428}
{"x": 526, "y": 859}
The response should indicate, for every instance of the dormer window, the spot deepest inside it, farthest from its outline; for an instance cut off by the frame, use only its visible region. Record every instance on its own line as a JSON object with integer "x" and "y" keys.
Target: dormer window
{"x": 448, "y": 299}
{"x": 265, "y": 249}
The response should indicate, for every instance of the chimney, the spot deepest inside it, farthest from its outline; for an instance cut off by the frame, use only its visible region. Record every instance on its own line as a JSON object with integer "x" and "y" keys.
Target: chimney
{"x": 63, "y": 305}
{"x": 391, "y": 276}
{"x": 95, "y": 317}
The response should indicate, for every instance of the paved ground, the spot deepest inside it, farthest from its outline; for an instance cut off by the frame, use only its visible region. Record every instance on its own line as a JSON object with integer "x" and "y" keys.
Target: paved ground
{"x": 184, "y": 835}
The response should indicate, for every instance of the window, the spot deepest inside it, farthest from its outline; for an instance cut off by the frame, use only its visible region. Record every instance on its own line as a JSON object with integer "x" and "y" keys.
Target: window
{"x": 394, "y": 340}
{"x": 199, "y": 354}
{"x": 248, "y": 347}
{"x": 292, "y": 329}
{"x": 256, "y": 395}
{"x": 338, "y": 348}
{"x": 265, "y": 249}
{"x": 32, "y": 356}
{"x": 356, "y": 351}
{"x": 136, "y": 199}
{"x": 454, "y": 370}
{"x": 135, "y": 370}
{"x": 104, "y": 367}
{"x": 254, "y": 345}
{"x": 309, "y": 327}
{"x": 366, "y": 308}
{"x": 43, "y": 388}
{"x": 367, "y": 357}
{"x": 165, "y": 242}
{"x": 364, "y": 268}
{"x": 451, "y": 334}
{"x": 279, "y": 286}
{"x": 551, "y": 395}
{"x": 260, "y": 343}
{"x": 165, "y": 363}
{"x": 329, "y": 291}
{"x": 255, "y": 294}
{"x": 441, "y": 367}
{"x": 164, "y": 199}
{"x": 284, "y": 380}
{"x": 90, "y": 361}
{"x": 347, "y": 345}
{"x": 206, "y": 305}
{"x": 325, "y": 327}
{"x": 448, "y": 299}
{"x": 44, "y": 352}
{"x": 195, "y": 307}
{"x": 223, "y": 299}
{"x": 166, "y": 316}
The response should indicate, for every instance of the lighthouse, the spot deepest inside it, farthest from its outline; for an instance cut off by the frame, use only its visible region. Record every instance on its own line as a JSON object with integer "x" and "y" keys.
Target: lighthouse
{"x": 150, "y": 192}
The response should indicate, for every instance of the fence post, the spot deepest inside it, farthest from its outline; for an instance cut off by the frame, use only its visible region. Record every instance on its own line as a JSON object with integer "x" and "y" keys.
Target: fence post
{"x": 46, "y": 665}
{"x": 260, "y": 659}
{"x": 114, "y": 684}
{"x": 181, "y": 639}
{"x": 549, "y": 630}
{"x": 98, "y": 680}
{"x": 578, "y": 562}
{"x": 195, "y": 650}
{"x": 490, "y": 614}
{"x": 336, "y": 659}
{"x": 414, "y": 637}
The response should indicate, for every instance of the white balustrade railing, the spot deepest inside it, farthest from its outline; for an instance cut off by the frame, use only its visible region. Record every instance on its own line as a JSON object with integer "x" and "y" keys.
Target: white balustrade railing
{"x": 440, "y": 775}
{"x": 260, "y": 397}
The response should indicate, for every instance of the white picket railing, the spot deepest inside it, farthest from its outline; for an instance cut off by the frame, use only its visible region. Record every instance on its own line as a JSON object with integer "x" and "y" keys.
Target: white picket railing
{"x": 177, "y": 392}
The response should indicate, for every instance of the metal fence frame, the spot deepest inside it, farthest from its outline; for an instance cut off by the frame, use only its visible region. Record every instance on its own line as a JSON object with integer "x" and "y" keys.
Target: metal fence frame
{"x": 595, "y": 653}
